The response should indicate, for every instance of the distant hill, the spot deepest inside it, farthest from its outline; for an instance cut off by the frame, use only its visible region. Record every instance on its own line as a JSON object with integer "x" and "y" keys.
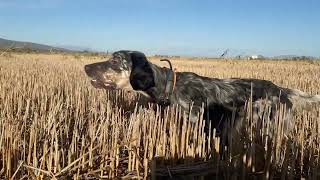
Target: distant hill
{"x": 19, "y": 45}
{"x": 295, "y": 57}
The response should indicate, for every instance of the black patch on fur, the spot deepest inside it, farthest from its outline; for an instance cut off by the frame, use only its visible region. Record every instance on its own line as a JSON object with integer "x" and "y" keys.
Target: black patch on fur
{"x": 141, "y": 77}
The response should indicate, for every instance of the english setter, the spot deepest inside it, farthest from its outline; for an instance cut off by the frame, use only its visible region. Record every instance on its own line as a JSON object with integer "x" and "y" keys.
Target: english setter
{"x": 220, "y": 98}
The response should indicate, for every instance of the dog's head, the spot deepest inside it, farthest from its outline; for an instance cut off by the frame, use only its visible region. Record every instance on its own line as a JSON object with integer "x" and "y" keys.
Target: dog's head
{"x": 112, "y": 74}
{"x": 127, "y": 70}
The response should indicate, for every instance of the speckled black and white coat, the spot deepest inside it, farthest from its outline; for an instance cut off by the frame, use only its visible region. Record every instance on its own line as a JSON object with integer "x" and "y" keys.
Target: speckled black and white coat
{"x": 221, "y": 98}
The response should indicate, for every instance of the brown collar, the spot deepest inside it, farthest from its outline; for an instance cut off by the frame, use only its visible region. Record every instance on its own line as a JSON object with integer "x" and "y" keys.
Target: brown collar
{"x": 170, "y": 84}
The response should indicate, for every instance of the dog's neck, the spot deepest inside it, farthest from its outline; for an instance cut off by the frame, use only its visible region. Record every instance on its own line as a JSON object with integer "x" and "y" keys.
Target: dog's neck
{"x": 160, "y": 79}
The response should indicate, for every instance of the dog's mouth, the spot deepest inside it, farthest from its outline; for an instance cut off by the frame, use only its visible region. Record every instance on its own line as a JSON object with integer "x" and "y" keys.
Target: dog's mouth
{"x": 107, "y": 84}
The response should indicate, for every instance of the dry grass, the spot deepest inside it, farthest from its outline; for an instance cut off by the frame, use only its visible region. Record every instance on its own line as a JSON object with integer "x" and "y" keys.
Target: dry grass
{"x": 53, "y": 124}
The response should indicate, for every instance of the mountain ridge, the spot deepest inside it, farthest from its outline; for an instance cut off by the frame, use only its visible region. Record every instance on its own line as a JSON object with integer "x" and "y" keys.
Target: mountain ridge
{"x": 13, "y": 44}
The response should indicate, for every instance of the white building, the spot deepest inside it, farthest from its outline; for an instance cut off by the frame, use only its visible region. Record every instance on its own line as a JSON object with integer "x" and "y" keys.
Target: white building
{"x": 253, "y": 57}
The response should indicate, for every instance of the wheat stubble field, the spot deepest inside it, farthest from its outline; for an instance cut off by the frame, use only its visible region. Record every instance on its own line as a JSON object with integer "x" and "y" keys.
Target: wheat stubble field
{"x": 55, "y": 125}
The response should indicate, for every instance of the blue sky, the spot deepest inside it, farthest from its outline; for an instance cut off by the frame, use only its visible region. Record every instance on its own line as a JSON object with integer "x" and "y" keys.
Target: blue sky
{"x": 185, "y": 27}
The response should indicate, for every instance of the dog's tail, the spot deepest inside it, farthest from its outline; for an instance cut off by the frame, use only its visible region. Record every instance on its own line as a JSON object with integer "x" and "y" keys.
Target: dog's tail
{"x": 303, "y": 100}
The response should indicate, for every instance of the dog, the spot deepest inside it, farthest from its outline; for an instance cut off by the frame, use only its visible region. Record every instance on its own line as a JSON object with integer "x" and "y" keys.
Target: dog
{"x": 221, "y": 99}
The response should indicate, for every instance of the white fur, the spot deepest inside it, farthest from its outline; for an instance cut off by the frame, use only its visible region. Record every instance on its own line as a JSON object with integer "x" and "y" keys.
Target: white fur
{"x": 302, "y": 100}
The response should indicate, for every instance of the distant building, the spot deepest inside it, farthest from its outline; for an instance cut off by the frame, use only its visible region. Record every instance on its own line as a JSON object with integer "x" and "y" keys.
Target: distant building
{"x": 254, "y": 57}
{"x": 166, "y": 56}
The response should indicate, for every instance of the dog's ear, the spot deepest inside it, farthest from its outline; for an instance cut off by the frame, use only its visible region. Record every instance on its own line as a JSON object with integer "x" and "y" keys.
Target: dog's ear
{"x": 141, "y": 76}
